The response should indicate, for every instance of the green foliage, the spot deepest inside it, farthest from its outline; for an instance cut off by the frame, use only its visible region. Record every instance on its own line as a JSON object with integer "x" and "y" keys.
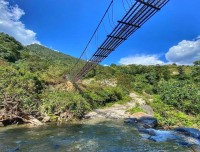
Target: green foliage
{"x": 183, "y": 95}
{"x": 152, "y": 78}
{"x": 21, "y": 86}
{"x": 196, "y": 74}
{"x": 36, "y": 77}
{"x": 61, "y": 101}
{"x": 169, "y": 116}
{"x": 135, "y": 110}
{"x": 9, "y": 48}
{"x": 99, "y": 96}
{"x": 166, "y": 73}
{"x": 181, "y": 73}
{"x": 197, "y": 63}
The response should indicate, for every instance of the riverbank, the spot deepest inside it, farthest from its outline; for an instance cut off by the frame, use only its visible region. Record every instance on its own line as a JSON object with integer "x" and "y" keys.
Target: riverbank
{"x": 146, "y": 124}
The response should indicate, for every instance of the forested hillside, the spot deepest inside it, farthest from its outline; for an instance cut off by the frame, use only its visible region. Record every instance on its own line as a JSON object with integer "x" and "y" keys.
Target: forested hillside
{"x": 34, "y": 81}
{"x": 174, "y": 90}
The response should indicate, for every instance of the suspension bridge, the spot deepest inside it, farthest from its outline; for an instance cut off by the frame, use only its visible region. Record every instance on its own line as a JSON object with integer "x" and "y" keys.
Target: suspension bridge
{"x": 140, "y": 11}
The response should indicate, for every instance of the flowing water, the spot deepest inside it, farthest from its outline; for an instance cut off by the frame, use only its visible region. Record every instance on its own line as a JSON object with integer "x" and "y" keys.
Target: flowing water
{"x": 94, "y": 136}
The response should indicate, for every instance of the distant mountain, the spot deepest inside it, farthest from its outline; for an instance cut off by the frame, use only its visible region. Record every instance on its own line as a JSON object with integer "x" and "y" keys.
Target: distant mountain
{"x": 12, "y": 50}
{"x": 46, "y": 53}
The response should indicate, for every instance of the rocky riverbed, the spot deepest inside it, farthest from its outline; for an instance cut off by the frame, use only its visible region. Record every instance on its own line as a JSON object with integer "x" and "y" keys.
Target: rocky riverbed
{"x": 91, "y": 135}
{"x": 146, "y": 124}
{"x": 124, "y": 131}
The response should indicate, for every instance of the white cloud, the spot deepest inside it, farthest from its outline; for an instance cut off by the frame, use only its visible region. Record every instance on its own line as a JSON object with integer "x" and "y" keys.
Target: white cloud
{"x": 186, "y": 52}
{"x": 10, "y": 23}
{"x": 141, "y": 59}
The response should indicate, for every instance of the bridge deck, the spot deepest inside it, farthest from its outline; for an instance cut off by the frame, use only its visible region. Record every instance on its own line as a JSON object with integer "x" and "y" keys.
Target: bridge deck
{"x": 137, "y": 15}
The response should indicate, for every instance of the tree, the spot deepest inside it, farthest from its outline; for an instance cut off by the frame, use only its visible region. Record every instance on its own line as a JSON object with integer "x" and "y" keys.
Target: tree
{"x": 181, "y": 73}
{"x": 196, "y": 63}
{"x": 9, "y": 48}
{"x": 166, "y": 73}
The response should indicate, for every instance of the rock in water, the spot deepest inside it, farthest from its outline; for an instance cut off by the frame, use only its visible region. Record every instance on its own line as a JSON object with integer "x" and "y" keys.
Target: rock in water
{"x": 131, "y": 120}
{"x": 56, "y": 146}
{"x": 142, "y": 120}
{"x": 16, "y": 149}
{"x": 195, "y": 133}
{"x": 148, "y": 122}
{"x": 1, "y": 124}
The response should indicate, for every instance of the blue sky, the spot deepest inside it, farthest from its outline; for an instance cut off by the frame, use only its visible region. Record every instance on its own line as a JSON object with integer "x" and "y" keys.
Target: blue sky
{"x": 66, "y": 25}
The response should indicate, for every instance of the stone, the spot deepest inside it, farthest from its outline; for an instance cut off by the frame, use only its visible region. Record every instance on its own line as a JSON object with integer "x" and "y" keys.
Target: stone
{"x": 147, "y": 109}
{"x": 195, "y": 133}
{"x": 150, "y": 132}
{"x": 1, "y": 124}
{"x": 143, "y": 120}
{"x": 148, "y": 122}
{"x": 131, "y": 120}
{"x": 139, "y": 115}
{"x": 56, "y": 146}
{"x": 90, "y": 115}
{"x": 16, "y": 149}
{"x": 46, "y": 119}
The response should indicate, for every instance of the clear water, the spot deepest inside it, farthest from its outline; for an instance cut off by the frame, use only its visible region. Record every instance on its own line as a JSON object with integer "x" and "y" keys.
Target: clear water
{"x": 94, "y": 136}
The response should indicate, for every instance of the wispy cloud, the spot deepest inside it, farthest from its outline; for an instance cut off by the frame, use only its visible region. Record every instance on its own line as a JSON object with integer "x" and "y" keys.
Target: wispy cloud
{"x": 10, "y": 23}
{"x": 141, "y": 59}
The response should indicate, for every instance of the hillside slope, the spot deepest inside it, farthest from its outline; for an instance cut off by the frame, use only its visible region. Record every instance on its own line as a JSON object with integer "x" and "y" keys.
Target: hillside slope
{"x": 35, "y": 84}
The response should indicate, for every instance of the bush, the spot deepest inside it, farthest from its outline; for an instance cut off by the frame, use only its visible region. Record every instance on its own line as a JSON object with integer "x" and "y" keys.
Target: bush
{"x": 99, "y": 96}
{"x": 168, "y": 116}
{"x": 182, "y": 95}
{"x": 61, "y": 101}
{"x": 21, "y": 86}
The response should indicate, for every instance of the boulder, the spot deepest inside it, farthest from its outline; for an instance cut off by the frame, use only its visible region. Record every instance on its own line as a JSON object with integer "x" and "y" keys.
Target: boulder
{"x": 131, "y": 120}
{"x": 150, "y": 132}
{"x": 139, "y": 115}
{"x": 1, "y": 124}
{"x": 46, "y": 119}
{"x": 90, "y": 115}
{"x": 142, "y": 120}
{"x": 148, "y": 122}
{"x": 195, "y": 133}
{"x": 147, "y": 109}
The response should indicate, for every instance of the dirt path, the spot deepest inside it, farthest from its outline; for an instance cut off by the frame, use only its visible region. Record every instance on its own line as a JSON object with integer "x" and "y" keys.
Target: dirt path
{"x": 117, "y": 111}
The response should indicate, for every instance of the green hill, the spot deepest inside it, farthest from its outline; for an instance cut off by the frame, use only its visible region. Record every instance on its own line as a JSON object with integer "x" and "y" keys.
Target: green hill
{"x": 48, "y": 54}
{"x": 36, "y": 83}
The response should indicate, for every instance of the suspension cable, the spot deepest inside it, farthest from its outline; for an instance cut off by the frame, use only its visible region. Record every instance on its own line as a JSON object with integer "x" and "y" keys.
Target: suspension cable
{"x": 94, "y": 33}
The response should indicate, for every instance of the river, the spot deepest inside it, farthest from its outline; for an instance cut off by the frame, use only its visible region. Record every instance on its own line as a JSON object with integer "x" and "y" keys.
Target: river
{"x": 84, "y": 136}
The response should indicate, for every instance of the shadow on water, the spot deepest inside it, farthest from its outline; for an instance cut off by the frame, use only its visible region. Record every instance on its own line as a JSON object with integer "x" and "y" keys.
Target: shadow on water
{"x": 109, "y": 135}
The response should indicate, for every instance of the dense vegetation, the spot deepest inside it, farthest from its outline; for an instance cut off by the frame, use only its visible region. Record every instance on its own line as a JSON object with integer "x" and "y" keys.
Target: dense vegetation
{"x": 175, "y": 90}
{"x": 34, "y": 80}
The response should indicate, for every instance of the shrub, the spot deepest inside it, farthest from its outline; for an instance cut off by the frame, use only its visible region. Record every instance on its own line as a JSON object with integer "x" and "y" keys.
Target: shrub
{"x": 183, "y": 95}
{"x": 61, "y": 101}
